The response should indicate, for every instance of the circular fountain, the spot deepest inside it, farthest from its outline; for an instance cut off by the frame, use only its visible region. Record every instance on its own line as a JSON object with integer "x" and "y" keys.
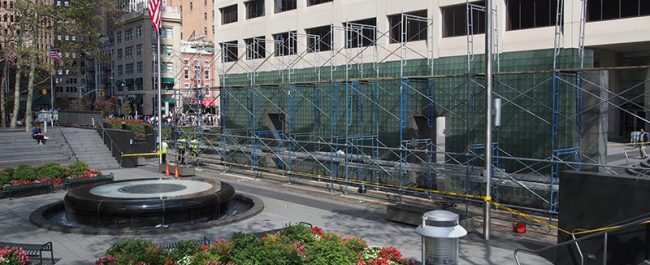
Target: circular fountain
{"x": 147, "y": 205}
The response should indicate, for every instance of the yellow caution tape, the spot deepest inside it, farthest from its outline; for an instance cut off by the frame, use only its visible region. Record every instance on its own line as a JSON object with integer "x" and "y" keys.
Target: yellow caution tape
{"x": 445, "y": 193}
{"x": 142, "y": 154}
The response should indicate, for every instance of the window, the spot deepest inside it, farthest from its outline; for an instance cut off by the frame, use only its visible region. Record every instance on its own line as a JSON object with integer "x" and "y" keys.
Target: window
{"x": 205, "y": 16}
{"x": 205, "y": 2}
{"x": 230, "y": 51}
{"x": 317, "y": 2}
{"x": 119, "y": 53}
{"x": 228, "y": 14}
{"x": 205, "y": 31}
{"x": 166, "y": 49}
{"x": 454, "y": 20}
{"x": 324, "y": 34}
{"x": 166, "y": 67}
{"x": 166, "y": 32}
{"x": 360, "y": 33}
{"x": 128, "y": 35}
{"x": 128, "y": 69}
{"x": 119, "y": 69}
{"x": 598, "y": 10}
{"x": 191, "y": 6}
{"x": 255, "y": 48}
{"x": 416, "y": 26}
{"x": 254, "y": 8}
{"x": 119, "y": 37}
{"x": 285, "y": 43}
{"x": 187, "y": 74}
{"x": 138, "y": 32}
{"x": 138, "y": 50}
{"x": 128, "y": 52}
{"x": 207, "y": 75}
{"x": 525, "y": 14}
{"x": 139, "y": 68}
{"x": 284, "y": 5}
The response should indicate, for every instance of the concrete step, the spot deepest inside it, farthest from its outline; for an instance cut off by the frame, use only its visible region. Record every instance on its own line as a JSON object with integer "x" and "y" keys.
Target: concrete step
{"x": 33, "y": 161}
{"x": 27, "y": 153}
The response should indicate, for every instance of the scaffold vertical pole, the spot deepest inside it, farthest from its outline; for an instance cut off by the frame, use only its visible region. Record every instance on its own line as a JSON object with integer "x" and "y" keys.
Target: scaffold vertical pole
{"x": 488, "y": 119}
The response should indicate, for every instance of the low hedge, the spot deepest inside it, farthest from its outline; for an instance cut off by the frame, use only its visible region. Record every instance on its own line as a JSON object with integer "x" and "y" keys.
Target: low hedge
{"x": 295, "y": 244}
{"x": 49, "y": 173}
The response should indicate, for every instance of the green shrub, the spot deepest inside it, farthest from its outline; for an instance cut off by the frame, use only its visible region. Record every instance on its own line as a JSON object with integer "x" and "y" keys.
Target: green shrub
{"x": 51, "y": 171}
{"x": 356, "y": 244}
{"x": 77, "y": 169}
{"x": 6, "y": 175}
{"x": 135, "y": 251}
{"x": 298, "y": 233}
{"x": 185, "y": 248}
{"x": 329, "y": 250}
{"x": 24, "y": 172}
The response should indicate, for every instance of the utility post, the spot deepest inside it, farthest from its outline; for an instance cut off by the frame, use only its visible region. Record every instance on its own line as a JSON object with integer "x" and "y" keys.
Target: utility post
{"x": 489, "y": 32}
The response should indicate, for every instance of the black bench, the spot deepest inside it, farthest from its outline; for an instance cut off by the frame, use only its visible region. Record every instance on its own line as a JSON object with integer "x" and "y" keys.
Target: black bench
{"x": 174, "y": 245}
{"x": 33, "y": 250}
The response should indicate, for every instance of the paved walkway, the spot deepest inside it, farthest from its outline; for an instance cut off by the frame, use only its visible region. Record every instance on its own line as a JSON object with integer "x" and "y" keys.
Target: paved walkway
{"x": 282, "y": 206}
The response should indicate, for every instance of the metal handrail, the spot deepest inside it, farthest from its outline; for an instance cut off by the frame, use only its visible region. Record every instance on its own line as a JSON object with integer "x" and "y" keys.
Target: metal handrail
{"x": 65, "y": 139}
{"x": 604, "y": 233}
{"x": 112, "y": 142}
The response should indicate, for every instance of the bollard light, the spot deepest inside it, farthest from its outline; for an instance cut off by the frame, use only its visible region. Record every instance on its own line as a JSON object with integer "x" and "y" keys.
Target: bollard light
{"x": 441, "y": 233}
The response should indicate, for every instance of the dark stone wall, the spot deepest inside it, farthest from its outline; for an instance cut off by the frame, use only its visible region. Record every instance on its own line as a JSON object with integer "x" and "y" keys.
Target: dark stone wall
{"x": 593, "y": 200}
{"x": 79, "y": 118}
{"x": 121, "y": 141}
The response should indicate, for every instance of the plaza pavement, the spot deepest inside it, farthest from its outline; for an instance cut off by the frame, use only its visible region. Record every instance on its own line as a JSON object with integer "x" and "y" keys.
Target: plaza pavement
{"x": 283, "y": 205}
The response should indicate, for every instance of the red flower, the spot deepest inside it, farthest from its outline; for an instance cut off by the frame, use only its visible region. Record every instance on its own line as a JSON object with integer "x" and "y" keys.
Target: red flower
{"x": 204, "y": 246}
{"x": 299, "y": 247}
{"x": 57, "y": 181}
{"x": 360, "y": 262}
{"x": 169, "y": 262}
{"x": 379, "y": 261}
{"x": 390, "y": 253}
{"x": 317, "y": 231}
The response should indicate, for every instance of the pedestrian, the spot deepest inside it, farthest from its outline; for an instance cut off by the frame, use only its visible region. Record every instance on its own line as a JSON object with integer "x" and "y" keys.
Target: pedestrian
{"x": 37, "y": 134}
{"x": 643, "y": 142}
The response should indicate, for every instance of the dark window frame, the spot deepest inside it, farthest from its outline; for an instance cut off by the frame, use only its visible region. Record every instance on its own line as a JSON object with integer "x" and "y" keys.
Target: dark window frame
{"x": 281, "y": 44}
{"x": 318, "y": 2}
{"x": 285, "y": 5}
{"x": 456, "y": 15}
{"x": 254, "y": 9}
{"x": 227, "y": 15}
{"x": 414, "y": 27}
{"x": 325, "y": 40}
{"x": 530, "y": 14}
{"x": 255, "y": 48}
{"x": 603, "y": 10}
{"x": 368, "y": 35}
{"x": 231, "y": 51}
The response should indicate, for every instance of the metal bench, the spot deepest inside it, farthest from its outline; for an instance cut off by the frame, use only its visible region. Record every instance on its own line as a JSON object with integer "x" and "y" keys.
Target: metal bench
{"x": 174, "y": 245}
{"x": 33, "y": 250}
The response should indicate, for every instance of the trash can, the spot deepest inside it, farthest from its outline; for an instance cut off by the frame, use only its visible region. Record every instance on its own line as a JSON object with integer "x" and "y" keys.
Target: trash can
{"x": 440, "y": 233}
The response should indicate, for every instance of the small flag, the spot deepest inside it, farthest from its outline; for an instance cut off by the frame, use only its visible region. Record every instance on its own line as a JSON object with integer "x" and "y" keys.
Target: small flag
{"x": 154, "y": 14}
{"x": 10, "y": 55}
{"x": 54, "y": 54}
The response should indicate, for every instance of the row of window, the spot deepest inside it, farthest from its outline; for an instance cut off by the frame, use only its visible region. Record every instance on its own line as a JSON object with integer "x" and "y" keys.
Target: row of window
{"x": 127, "y": 69}
{"x": 521, "y": 14}
{"x": 67, "y": 89}
{"x": 6, "y": 5}
{"x": 9, "y": 18}
{"x": 128, "y": 34}
{"x": 255, "y": 8}
{"x": 66, "y": 38}
{"x": 128, "y": 52}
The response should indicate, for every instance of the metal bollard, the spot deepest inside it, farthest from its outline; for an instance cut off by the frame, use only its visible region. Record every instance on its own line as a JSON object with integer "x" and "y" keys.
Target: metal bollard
{"x": 440, "y": 233}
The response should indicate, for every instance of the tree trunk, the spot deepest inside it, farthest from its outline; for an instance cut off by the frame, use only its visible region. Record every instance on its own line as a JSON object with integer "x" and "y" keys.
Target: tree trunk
{"x": 30, "y": 92}
{"x": 3, "y": 110}
{"x": 14, "y": 117}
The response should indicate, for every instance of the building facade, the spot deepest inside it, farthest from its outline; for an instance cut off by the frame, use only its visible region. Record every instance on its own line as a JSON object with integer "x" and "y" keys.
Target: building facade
{"x": 133, "y": 60}
{"x": 198, "y": 18}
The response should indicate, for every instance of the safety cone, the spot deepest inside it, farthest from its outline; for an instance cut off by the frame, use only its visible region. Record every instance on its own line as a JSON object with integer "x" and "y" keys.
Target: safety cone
{"x": 176, "y": 174}
{"x": 166, "y": 169}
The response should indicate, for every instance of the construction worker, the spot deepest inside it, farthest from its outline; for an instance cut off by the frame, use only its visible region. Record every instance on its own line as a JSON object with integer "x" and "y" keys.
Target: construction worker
{"x": 194, "y": 148}
{"x": 181, "y": 147}
{"x": 163, "y": 151}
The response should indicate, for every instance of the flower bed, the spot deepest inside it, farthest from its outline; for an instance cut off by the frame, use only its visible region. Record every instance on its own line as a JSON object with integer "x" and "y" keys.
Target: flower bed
{"x": 295, "y": 244}
{"x": 13, "y": 256}
{"x": 54, "y": 174}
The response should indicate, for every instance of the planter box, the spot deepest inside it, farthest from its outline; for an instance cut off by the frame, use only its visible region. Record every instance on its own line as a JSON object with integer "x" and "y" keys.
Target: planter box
{"x": 183, "y": 170}
{"x": 74, "y": 183}
{"x": 26, "y": 190}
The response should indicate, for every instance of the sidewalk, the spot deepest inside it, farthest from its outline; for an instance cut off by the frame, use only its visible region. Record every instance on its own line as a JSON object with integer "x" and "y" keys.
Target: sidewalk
{"x": 281, "y": 207}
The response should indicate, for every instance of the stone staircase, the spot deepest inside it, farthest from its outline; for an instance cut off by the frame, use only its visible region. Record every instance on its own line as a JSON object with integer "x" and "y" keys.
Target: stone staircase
{"x": 89, "y": 148}
{"x": 19, "y": 148}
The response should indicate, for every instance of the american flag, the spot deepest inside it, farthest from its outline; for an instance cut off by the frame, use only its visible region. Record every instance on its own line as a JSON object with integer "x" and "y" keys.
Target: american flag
{"x": 10, "y": 55}
{"x": 54, "y": 54}
{"x": 154, "y": 14}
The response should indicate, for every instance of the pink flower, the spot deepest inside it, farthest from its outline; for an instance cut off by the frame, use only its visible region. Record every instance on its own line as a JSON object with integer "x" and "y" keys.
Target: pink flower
{"x": 317, "y": 231}
{"x": 299, "y": 247}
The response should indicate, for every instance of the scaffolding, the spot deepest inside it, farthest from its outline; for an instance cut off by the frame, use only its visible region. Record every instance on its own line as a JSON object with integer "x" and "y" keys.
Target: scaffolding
{"x": 350, "y": 117}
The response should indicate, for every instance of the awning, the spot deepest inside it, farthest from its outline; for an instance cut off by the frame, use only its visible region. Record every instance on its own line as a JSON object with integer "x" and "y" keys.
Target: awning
{"x": 169, "y": 100}
{"x": 167, "y": 80}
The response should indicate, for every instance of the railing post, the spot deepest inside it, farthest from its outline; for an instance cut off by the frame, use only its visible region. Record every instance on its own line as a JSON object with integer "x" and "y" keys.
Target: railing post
{"x": 605, "y": 249}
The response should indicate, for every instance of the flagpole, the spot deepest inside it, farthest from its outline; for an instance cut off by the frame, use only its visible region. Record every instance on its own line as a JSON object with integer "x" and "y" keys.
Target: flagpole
{"x": 159, "y": 96}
